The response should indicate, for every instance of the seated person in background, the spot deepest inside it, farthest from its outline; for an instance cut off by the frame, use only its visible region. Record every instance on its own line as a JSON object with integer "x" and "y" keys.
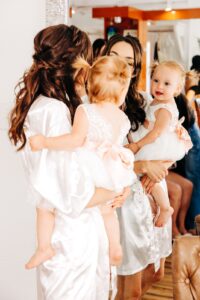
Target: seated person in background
{"x": 189, "y": 166}
{"x": 180, "y": 193}
{"x": 192, "y": 86}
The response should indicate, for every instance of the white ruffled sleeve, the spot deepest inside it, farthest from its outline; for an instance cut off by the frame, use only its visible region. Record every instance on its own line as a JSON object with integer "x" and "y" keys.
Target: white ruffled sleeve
{"x": 56, "y": 178}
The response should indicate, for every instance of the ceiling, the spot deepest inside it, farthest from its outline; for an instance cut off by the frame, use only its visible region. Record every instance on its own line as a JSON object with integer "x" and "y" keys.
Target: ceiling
{"x": 140, "y": 4}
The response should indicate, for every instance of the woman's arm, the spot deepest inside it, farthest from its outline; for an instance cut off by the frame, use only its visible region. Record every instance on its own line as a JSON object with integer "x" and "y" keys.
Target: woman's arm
{"x": 190, "y": 95}
{"x": 156, "y": 170}
{"x": 67, "y": 141}
{"x": 101, "y": 196}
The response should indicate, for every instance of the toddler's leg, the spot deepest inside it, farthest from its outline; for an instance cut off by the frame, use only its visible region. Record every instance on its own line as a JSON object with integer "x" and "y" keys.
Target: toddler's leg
{"x": 45, "y": 226}
{"x": 112, "y": 230}
{"x": 162, "y": 200}
{"x": 175, "y": 195}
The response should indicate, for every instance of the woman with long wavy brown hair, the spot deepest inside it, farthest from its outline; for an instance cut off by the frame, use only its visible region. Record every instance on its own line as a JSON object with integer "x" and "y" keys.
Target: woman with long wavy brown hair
{"x": 50, "y": 75}
{"x": 77, "y": 267}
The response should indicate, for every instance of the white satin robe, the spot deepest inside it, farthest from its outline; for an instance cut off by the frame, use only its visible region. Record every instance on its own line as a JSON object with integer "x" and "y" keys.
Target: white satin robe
{"x": 142, "y": 242}
{"x": 80, "y": 268}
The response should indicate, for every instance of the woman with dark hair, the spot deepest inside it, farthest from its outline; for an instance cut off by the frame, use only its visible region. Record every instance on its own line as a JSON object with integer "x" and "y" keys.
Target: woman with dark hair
{"x": 98, "y": 47}
{"x": 193, "y": 79}
{"x": 144, "y": 246}
{"x": 192, "y": 87}
{"x": 46, "y": 102}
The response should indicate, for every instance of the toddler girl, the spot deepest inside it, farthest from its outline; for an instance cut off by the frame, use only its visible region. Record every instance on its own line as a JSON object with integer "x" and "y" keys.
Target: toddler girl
{"x": 97, "y": 135}
{"x": 162, "y": 137}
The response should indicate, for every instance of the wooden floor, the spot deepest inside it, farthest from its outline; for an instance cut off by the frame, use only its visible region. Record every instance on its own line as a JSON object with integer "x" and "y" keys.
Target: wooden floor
{"x": 163, "y": 289}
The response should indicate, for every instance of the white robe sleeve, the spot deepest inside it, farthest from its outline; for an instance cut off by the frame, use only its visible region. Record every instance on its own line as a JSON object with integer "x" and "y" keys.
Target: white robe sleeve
{"x": 56, "y": 178}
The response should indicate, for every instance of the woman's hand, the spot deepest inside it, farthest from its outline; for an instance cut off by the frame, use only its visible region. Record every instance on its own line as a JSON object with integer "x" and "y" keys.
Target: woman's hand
{"x": 134, "y": 147}
{"x": 192, "y": 79}
{"x": 119, "y": 200}
{"x": 156, "y": 170}
{"x": 147, "y": 184}
{"x": 37, "y": 142}
{"x": 103, "y": 196}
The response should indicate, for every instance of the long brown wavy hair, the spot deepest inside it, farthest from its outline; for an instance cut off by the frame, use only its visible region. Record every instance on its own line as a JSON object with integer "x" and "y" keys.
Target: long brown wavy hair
{"x": 135, "y": 102}
{"x": 51, "y": 74}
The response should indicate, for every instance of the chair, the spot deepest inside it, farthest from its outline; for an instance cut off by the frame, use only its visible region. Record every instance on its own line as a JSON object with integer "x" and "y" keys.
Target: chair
{"x": 186, "y": 268}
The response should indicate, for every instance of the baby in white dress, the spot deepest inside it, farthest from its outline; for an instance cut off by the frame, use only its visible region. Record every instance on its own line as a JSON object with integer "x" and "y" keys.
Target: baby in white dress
{"x": 162, "y": 136}
{"x": 97, "y": 136}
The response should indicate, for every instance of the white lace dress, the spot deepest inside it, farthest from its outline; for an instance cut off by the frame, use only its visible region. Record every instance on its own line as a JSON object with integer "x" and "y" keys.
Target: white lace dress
{"x": 103, "y": 156}
{"x": 169, "y": 145}
{"x": 80, "y": 268}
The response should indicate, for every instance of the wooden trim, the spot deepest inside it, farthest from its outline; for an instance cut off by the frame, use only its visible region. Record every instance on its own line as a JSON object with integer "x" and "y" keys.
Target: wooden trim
{"x": 134, "y": 13}
{"x": 110, "y": 12}
{"x": 177, "y": 14}
{"x": 116, "y": 11}
{"x": 142, "y": 36}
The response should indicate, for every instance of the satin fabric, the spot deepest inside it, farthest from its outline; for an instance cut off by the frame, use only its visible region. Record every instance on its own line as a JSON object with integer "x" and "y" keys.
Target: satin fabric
{"x": 142, "y": 242}
{"x": 80, "y": 268}
{"x": 138, "y": 239}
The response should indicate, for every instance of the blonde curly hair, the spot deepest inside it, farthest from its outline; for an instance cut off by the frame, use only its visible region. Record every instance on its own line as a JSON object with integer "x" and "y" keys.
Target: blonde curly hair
{"x": 172, "y": 65}
{"x": 106, "y": 78}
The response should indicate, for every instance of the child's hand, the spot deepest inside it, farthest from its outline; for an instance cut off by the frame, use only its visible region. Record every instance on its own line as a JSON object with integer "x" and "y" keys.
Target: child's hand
{"x": 119, "y": 200}
{"x": 134, "y": 147}
{"x": 37, "y": 142}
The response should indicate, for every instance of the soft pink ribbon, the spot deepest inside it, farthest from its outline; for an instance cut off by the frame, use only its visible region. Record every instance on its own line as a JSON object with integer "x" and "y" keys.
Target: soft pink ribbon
{"x": 107, "y": 150}
{"x": 183, "y": 134}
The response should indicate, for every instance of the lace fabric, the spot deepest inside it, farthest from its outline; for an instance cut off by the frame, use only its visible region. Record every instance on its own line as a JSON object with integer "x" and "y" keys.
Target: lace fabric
{"x": 103, "y": 148}
{"x": 171, "y": 107}
{"x": 101, "y": 130}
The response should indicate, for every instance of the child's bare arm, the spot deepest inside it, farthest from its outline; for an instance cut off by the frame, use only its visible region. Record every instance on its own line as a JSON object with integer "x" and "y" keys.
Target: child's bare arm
{"x": 163, "y": 118}
{"x": 67, "y": 141}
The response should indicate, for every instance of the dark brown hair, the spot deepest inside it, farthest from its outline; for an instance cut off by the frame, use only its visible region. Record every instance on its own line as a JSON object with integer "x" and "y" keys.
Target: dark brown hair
{"x": 97, "y": 47}
{"x": 51, "y": 74}
{"x": 135, "y": 102}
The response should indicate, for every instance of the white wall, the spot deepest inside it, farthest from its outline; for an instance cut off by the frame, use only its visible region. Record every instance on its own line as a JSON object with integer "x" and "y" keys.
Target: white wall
{"x": 83, "y": 19}
{"x": 19, "y": 21}
{"x": 193, "y": 39}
